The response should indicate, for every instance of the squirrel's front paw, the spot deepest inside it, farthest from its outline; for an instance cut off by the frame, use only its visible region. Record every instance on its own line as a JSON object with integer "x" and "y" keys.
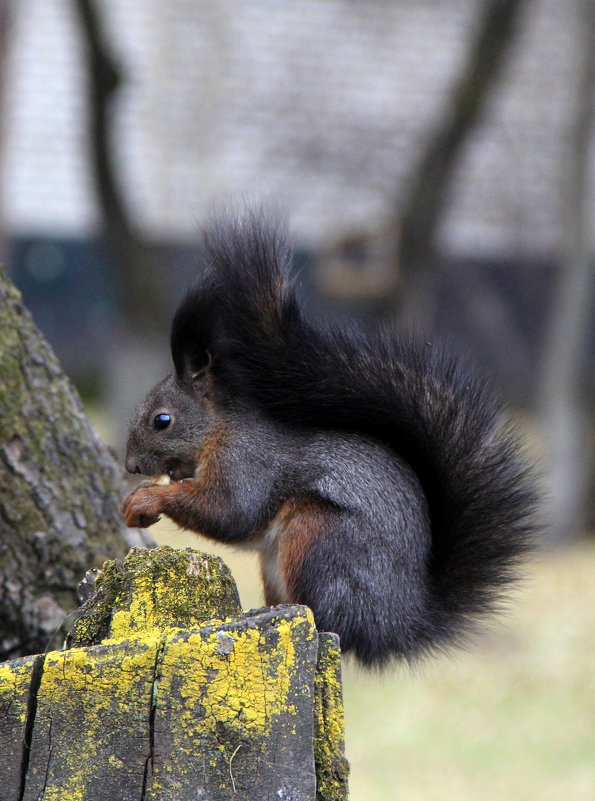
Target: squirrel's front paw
{"x": 142, "y": 507}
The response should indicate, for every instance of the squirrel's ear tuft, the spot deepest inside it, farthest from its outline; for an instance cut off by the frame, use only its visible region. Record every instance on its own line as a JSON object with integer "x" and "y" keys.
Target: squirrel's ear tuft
{"x": 241, "y": 300}
{"x": 193, "y": 328}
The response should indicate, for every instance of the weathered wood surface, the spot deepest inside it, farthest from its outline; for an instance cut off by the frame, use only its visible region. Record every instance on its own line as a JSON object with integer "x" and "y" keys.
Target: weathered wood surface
{"x": 220, "y": 705}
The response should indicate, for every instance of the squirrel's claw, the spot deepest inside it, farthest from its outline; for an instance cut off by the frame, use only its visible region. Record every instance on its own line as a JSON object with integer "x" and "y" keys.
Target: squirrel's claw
{"x": 142, "y": 507}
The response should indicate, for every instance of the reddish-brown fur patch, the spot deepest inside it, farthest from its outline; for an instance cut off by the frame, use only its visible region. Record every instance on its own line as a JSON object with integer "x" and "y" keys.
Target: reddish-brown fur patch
{"x": 301, "y": 522}
{"x": 213, "y": 446}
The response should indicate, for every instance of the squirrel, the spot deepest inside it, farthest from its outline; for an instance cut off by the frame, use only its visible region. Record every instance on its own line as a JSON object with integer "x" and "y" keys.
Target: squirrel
{"x": 375, "y": 475}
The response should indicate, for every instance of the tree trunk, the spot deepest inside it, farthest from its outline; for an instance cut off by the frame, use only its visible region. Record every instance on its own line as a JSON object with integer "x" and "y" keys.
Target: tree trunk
{"x": 564, "y": 417}
{"x": 139, "y": 349}
{"x": 60, "y": 488}
{"x": 420, "y": 214}
{"x": 133, "y": 264}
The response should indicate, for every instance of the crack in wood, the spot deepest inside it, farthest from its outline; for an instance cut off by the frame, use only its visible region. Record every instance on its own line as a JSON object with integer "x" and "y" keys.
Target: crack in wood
{"x": 36, "y": 675}
{"x": 150, "y": 760}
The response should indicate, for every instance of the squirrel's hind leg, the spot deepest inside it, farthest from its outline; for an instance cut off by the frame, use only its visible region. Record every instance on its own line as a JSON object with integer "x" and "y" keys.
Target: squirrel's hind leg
{"x": 357, "y": 581}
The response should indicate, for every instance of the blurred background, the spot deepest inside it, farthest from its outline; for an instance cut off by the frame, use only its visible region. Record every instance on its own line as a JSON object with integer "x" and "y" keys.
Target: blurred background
{"x": 436, "y": 160}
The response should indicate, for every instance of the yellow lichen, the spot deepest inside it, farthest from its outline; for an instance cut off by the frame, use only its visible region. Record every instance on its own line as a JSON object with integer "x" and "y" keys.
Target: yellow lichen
{"x": 15, "y": 679}
{"x": 96, "y": 693}
{"x": 332, "y": 769}
{"x": 165, "y": 587}
{"x": 210, "y": 693}
{"x": 222, "y": 688}
{"x": 139, "y": 616}
{"x": 156, "y": 588}
{"x": 244, "y": 688}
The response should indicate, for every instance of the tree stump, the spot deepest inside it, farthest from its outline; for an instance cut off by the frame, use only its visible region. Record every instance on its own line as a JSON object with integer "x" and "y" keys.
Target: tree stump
{"x": 171, "y": 693}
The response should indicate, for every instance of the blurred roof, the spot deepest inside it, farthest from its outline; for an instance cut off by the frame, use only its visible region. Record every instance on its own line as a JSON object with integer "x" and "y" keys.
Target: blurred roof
{"x": 320, "y": 107}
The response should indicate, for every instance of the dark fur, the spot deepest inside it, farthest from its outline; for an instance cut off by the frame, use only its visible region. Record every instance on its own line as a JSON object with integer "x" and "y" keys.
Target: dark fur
{"x": 441, "y": 530}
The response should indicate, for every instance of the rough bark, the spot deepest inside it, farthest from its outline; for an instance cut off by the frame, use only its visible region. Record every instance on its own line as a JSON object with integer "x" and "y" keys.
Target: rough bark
{"x": 60, "y": 488}
{"x": 239, "y": 706}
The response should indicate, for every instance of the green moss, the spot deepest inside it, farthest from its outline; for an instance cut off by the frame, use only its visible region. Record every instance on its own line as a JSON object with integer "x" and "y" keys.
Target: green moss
{"x": 165, "y": 587}
{"x": 159, "y": 588}
{"x": 61, "y": 488}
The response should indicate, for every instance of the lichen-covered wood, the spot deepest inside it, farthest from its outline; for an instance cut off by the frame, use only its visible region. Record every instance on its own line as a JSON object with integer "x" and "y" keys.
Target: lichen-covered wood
{"x": 160, "y": 588}
{"x": 332, "y": 769}
{"x": 91, "y": 734}
{"x": 19, "y": 681}
{"x": 234, "y": 706}
{"x": 60, "y": 488}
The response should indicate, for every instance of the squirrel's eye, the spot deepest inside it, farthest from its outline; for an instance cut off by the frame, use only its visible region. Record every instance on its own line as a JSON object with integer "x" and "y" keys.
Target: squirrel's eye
{"x": 161, "y": 421}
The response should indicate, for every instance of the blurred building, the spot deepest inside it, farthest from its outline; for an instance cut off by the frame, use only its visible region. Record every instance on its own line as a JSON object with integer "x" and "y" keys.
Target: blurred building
{"x": 319, "y": 106}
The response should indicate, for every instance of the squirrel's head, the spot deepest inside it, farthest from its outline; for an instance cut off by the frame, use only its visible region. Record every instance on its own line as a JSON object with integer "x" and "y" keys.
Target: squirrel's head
{"x": 168, "y": 427}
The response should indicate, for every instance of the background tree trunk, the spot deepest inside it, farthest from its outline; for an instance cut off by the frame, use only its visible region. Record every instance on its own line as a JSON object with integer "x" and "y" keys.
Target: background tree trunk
{"x": 60, "y": 488}
{"x": 564, "y": 416}
{"x": 133, "y": 266}
{"x": 419, "y": 216}
{"x": 139, "y": 342}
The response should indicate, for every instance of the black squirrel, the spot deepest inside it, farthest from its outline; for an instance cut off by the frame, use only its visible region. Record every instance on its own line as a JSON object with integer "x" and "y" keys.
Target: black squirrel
{"x": 376, "y": 476}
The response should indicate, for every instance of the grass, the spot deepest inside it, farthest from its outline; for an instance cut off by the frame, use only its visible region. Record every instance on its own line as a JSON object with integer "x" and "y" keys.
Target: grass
{"x": 513, "y": 718}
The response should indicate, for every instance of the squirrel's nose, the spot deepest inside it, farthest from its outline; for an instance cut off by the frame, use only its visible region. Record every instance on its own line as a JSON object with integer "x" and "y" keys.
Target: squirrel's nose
{"x": 132, "y": 465}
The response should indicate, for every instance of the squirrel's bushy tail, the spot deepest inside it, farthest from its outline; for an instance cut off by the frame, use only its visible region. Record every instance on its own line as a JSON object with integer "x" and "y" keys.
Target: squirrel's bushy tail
{"x": 413, "y": 396}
